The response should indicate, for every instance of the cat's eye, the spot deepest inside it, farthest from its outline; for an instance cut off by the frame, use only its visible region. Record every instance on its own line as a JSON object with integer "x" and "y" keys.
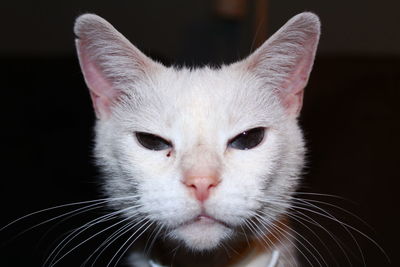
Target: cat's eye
{"x": 247, "y": 139}
{"x": 152, "y": 142}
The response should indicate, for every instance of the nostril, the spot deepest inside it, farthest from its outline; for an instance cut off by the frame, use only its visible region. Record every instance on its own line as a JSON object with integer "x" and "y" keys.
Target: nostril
{"x": 200, "y": 183}
{"x": 192, "y": 185}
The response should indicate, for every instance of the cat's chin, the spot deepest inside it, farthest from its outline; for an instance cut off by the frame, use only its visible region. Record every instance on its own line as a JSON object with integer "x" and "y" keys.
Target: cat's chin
{"x": 201, "y": 234}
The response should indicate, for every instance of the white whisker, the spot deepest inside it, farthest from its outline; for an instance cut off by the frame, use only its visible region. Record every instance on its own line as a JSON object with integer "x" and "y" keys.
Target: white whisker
{"x": 322, "y": 195}
{"x": 296, "y": 218}
{"x": 245, "y": 235}
{"x": 114, "y": 237}
{"x": 103, "y": 200}
{"x": 130, "y": 242}
{"x": 148, "y": 249}
{"x": 301, "y": 236}
{"x": 283, "y": 233}
{"x": 334, "y": 206}
{"x": 293, "y": 207}
{"x": 74, "y": 234}
{"x": 73, "y": 212}
{"x": 345, "y": 226}
{"x": 314, "y": 222}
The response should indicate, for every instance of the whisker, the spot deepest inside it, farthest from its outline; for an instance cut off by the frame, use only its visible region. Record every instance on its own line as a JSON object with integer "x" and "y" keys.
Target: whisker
{"x": 66, "y": 219}
{"x": 327, "y": 215}
{"x": 174, "y": 251}
{"x": 293, "y": 207}
{"x": 337, "y": 207}
{"x": 245, "y": 235}
{"x": 78, "y": 211}
{"x": 345, "y": 226}
{"x": 231, "y": 248}
{"x": 259, "y": 234}
{"x": 308, "y": 242}
{"x": 262, "y": 235}
{"x": 295, "y": 218}
{"x": 284, "y": 232}
{"x": 69, "y": 237}
{"x": 103, "y": 200}
{"x": 314, "y": 222}
{"x": 226, "y": 250}
{"x": 130, "y": 243}
{"x": 147, "y": 252}
{"x": 74, "y": 234}
{"x": 323, "y": 195}
{"x": 114, "y": 237}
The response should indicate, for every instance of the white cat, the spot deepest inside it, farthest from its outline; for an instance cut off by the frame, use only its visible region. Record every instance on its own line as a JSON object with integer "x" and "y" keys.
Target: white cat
{"x": 202, "y": 161}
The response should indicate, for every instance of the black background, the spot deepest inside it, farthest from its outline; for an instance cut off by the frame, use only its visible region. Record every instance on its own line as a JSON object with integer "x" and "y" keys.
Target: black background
{"x": 350, "y": 119}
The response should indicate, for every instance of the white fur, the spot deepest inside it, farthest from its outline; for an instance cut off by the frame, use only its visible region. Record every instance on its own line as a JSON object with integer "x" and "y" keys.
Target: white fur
{"x": 199, "y": 110}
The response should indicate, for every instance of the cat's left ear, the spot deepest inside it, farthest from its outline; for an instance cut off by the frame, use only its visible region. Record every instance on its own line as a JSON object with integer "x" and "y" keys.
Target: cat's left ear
{"x": 285, "y": 60}
{"x": 111, "y": 65}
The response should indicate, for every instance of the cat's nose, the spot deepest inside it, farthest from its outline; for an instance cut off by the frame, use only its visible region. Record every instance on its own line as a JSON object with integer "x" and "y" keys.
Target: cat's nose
{"x": 201, "y": 183}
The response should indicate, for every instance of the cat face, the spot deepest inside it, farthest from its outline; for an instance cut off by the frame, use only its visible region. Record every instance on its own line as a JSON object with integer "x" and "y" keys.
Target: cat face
{"x": 200, "y": 154}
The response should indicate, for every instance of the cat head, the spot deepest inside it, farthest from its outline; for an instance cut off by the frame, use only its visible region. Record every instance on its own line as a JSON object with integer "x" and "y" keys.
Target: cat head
{"x": 199, "y": 153}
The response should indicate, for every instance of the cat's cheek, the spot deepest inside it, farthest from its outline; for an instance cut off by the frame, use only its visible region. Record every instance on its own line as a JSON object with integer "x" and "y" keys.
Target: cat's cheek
{"x": 165, "y": 200}
{"x": 235, "y": 199}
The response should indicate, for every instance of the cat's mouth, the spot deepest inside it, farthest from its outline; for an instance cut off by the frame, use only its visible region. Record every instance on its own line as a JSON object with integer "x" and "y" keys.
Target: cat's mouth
{"x": 205, "y": 219}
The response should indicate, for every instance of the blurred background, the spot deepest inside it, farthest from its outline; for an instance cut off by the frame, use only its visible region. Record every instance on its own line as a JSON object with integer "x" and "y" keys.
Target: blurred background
{"x": 350, "y": 115}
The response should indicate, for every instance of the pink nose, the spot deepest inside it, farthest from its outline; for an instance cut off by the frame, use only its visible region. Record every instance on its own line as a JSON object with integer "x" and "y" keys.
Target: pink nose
{"x": 201, "y": 184}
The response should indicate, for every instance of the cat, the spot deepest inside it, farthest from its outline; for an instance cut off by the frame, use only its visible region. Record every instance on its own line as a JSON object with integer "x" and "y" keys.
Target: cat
{"x": 203, "y": 162}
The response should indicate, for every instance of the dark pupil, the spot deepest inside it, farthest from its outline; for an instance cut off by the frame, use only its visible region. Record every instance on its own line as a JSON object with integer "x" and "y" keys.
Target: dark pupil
{"x": 248, "y": 139}
{"x": 152, "y": 142}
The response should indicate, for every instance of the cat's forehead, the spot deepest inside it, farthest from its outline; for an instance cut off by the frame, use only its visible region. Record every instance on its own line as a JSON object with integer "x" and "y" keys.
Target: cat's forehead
{"x": 206, "y": 100}
{"x": 204, "y": 91}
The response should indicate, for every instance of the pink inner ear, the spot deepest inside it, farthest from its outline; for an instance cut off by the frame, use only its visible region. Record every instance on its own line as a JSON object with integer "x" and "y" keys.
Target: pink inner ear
{"x": 293, "y": 102}
{"x": 293, "y": 90}
{"x": 101, "y": 91}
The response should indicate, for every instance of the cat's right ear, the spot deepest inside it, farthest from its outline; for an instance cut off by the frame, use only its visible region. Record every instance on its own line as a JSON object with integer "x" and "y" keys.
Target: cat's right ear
{"x": 111, "y": 65}
{"x": 284, "y": 61}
